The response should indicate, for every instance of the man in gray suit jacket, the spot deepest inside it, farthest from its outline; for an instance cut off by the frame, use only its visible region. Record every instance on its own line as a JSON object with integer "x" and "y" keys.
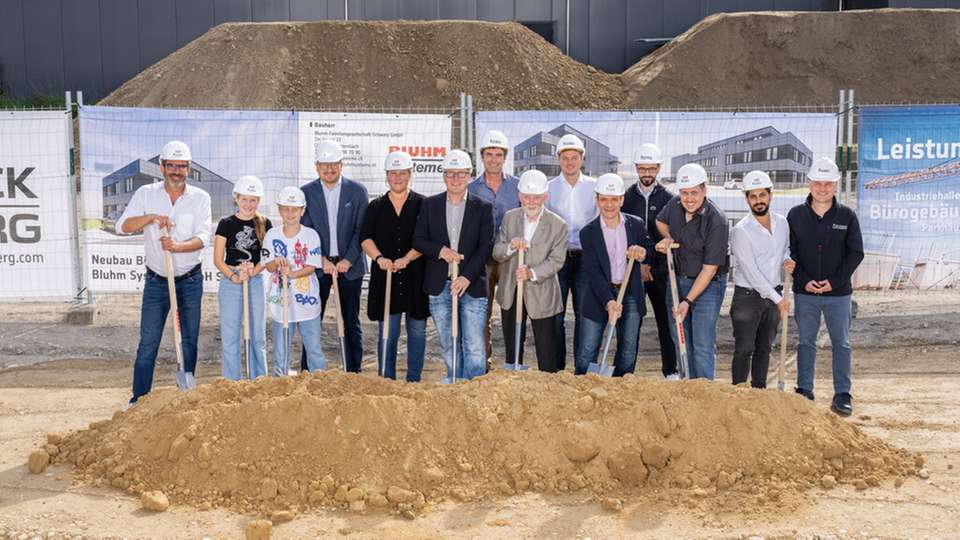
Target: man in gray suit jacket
{"x": 335, "y": 209}
{"x": 542, "y": 236}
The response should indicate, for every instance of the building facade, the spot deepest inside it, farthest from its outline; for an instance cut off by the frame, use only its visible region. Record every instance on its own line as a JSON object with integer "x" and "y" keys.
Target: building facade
{"x": 539, "y": 152}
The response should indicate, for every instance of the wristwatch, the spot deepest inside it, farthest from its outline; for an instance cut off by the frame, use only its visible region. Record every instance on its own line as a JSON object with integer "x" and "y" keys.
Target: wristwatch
{"x": 377, "y": 258}
{"x": 687, "y": 300}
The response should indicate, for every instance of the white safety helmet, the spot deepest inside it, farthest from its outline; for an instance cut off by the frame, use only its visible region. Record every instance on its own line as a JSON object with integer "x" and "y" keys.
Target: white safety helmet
{"x": 756, "y": 180}
{"x": 533, "y": 182}
{"x": 571, "y": 142}
{"x": 457, "y": 159}
{"x": 328, "y": 151}
{"x": 176, "y": 150}
{"x": 647, "y": 154}
{"x": 691, "y": 175}
{"x": 609, "y": 184}
{"x": 494, "y": 139}
{"x": 398, "y": 160}
{"x": 824, "y": 170}
{"x": 291, "y": 196}
{"x": 248, "y": 185}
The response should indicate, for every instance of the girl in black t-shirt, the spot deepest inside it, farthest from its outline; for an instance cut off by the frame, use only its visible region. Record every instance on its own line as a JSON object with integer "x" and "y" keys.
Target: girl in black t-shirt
{"x": 236, "y": 253}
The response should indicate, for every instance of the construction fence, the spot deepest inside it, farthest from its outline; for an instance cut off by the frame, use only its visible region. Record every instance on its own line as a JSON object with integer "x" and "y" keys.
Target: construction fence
{"x": 51, "y": 247}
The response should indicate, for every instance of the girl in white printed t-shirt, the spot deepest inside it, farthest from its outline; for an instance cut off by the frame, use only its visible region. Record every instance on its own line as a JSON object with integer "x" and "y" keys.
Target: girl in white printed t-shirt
{"x": 294, "y": 250}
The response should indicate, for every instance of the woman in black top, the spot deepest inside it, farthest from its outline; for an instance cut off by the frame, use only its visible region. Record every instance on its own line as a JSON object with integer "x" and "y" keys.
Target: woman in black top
{"x": 387, "y": 237}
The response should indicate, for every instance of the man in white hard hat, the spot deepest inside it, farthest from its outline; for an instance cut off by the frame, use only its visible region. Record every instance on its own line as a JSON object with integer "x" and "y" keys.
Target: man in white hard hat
{"x": 335, "y": 208}
{"x": 760, "y": 249}
{"x": 542, "y": 237}
{"x": 609, "y": 241}
{"x": 456, "y": 228}
{"x": 826, "y": 243}
{"x": 571, "y": 198}
{"x": 174, "y": 217}
{"x": 702, "y": 264}
{"x": 645, "y": 199}
{"x": 499, "y": 189}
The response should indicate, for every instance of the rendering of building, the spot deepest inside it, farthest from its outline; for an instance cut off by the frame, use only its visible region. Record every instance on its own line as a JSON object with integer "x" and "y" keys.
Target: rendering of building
{"x": 539, "y": 152}
{"x": 781, "y": 155}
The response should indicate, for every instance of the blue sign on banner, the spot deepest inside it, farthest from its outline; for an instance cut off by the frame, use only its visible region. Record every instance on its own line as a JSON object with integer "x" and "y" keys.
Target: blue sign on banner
{"x": 908, "y": 193}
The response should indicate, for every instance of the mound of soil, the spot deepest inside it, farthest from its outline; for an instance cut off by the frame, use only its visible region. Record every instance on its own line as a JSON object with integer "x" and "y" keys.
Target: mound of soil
{"x": 338, "y": 64}
{"x": 354, "y": 442}
{"x": 805, "y": 58}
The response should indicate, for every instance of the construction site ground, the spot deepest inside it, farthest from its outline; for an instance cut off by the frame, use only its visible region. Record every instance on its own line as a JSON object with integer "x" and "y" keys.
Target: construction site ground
{"x": 56, "y": 377}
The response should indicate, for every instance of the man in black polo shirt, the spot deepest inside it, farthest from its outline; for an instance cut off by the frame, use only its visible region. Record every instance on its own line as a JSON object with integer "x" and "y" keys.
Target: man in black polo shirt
{"x": 826, "y": 243}
{"x": 702, "y": 231}
{"x": 645, "y": 199}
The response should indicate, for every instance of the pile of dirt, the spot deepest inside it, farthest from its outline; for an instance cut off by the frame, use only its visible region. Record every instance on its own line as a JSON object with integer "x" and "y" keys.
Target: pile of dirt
{"x": 805, "y": 58}
{"x": 337, "y": 64}
{"x": 353, "y": 442}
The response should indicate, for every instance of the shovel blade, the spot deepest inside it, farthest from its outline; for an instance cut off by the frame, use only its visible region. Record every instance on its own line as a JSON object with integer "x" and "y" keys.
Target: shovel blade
{"x": 515, "y": 367}
{"x": 603, "y": 371}
{"x": 185, "y": 380}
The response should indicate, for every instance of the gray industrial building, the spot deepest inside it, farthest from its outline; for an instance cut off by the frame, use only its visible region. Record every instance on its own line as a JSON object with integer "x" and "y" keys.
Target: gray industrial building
{"x": 51, "y": 46}
{"x": 119, "y": 186}
{"x": 539, "y": 152}
{"x": 782, "y": 155}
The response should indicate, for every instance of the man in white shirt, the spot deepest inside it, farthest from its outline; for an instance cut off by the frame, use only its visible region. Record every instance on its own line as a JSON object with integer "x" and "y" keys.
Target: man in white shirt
{"x": 760, "y": 245}
{"x": 174, "y": 217}
{"x": 571, "y": 197}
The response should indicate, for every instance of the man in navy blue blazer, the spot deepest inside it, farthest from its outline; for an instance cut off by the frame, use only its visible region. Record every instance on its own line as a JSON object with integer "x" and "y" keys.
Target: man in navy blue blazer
{"x": 608, "y": 242}
{"x": 454, "y": 227}
{"x": 335, "y": 209}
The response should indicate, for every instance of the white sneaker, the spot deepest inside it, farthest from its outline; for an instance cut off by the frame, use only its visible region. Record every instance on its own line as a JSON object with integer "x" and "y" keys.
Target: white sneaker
{"x": 673, "y": 377}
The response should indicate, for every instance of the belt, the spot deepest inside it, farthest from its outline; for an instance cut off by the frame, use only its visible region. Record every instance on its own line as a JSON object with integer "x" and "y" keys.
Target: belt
{"x": 778, "y": 288}
{"x": 574, "y": 252}
{"x": 716, "y": 277}
{"x": 191, "y": 272}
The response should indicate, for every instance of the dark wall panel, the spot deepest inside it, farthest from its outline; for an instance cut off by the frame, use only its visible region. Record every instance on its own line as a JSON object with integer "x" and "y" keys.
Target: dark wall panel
{"x": 607, "y": 38}
{"x": 458, "y": 9}
{"x": 194, "y": 17}
{"x": 380, "y": 10}
{"x": 755, "y": 5}
{"x": 644, "y": 20}
{"x": 43, "y": 46}
{"x": 270, "y": 10}
{"x": 158, "y": 30}
{"x": 308, "y": 10}
{"x": 120, "y": 46}
{"x": 678, "y": 16}
{"x": 13, "y": 71}
{"x": 81, "y": 47}
{"x": 534, "y": 10}
{"x": 232, "y": 11}
{"x": 495, "y": 10}
{"x": 419, "y": 9}
{"x": 580, "y": 30}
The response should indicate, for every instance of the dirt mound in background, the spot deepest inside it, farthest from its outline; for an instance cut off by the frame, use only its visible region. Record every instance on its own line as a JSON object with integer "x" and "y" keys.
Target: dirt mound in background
{"x": 336, "y": 64}
{"x": 347, "y": 441}
{"x": 786, "y": 58}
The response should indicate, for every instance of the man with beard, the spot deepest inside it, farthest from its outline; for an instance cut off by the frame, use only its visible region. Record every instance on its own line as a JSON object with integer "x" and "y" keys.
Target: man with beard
{"x": 645, "y": 200}
{"x": 174, "y": 217}
{"x": 760, "y": 246}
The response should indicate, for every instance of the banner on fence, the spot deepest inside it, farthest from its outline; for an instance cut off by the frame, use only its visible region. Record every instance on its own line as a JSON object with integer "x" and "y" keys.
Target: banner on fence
{"x": 37, "y": 233}
{"x": 727, "y": 144}
{"x": 908, "y": 195}
{"x": 367, "y": 138}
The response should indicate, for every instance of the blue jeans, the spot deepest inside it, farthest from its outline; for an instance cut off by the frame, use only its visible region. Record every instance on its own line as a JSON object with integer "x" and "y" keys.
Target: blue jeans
{"x": 416, "y": 345}
{"x": 310, "y": 334}
{"x": 699, "y": 326}
{"x": 837, "y": 313}
{"x": 628, "y": 335}
{"x": 471, "y": 354}
{"x": 230, "y": 297}
{"x": 153, "y": 315}
{"x": 570, "y": 280}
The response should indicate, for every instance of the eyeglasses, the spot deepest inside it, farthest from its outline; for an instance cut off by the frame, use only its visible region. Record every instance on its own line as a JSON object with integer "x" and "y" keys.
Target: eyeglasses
{"x": 176, "y": 166}
{"x": 458, "y": 175}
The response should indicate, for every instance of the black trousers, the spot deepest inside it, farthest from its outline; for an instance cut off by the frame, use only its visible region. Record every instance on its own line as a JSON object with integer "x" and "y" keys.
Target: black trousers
{"x": 350, "y": 290}
{"x": 755, "y": 321}
{"x": 544, "y": 337}
{"x": 656, "y": 291}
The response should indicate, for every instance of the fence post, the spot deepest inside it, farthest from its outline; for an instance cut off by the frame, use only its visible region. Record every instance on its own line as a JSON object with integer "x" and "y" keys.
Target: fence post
{"x": 81, "y": 236}
{"x": 849, "y": 144}
{"x": 841, "y": 115}
{"x": 471, "y": 136}
{"x": 463, "y": 120}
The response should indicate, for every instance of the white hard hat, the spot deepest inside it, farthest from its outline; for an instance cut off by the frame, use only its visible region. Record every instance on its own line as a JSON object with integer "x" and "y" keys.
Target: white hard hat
{"x": 291, "y": 196}
{"x": 457, "y": 159}
{"x": 647, "y": 154}
{"x": 609, "y": 184}
{"x": 177, "y": 150}
{"x": 328, "y": 152}
{"x": 756, "y": 180}
{"x": 533, "y": 182}
{"x": 571, "y": 142}
{"x": 248, "y": 185}
{"x": 398, "y": 160}
{"x": 494, "y": 139}
{"x": 691, "y": 175}
{"x": 824, "y": 170}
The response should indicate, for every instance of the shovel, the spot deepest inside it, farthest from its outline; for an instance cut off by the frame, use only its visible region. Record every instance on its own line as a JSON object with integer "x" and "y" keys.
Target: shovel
{"x": 343, "y": 340}
{"x": 681, "y": 338}
{"x": 246, "y": 327}
{"x": 185, "y": 380}
{"x": 385, "y": 333}
{"x": 455, "y": 320}
{"x": 602, "y": 368}
{"x": 286, "y": 323}
{"x": 783, "y": 337}
{"x": 517, "y": 364}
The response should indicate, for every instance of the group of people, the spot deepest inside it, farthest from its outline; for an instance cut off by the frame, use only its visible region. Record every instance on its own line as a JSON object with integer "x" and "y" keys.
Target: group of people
{"x": 606, "y": 247}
